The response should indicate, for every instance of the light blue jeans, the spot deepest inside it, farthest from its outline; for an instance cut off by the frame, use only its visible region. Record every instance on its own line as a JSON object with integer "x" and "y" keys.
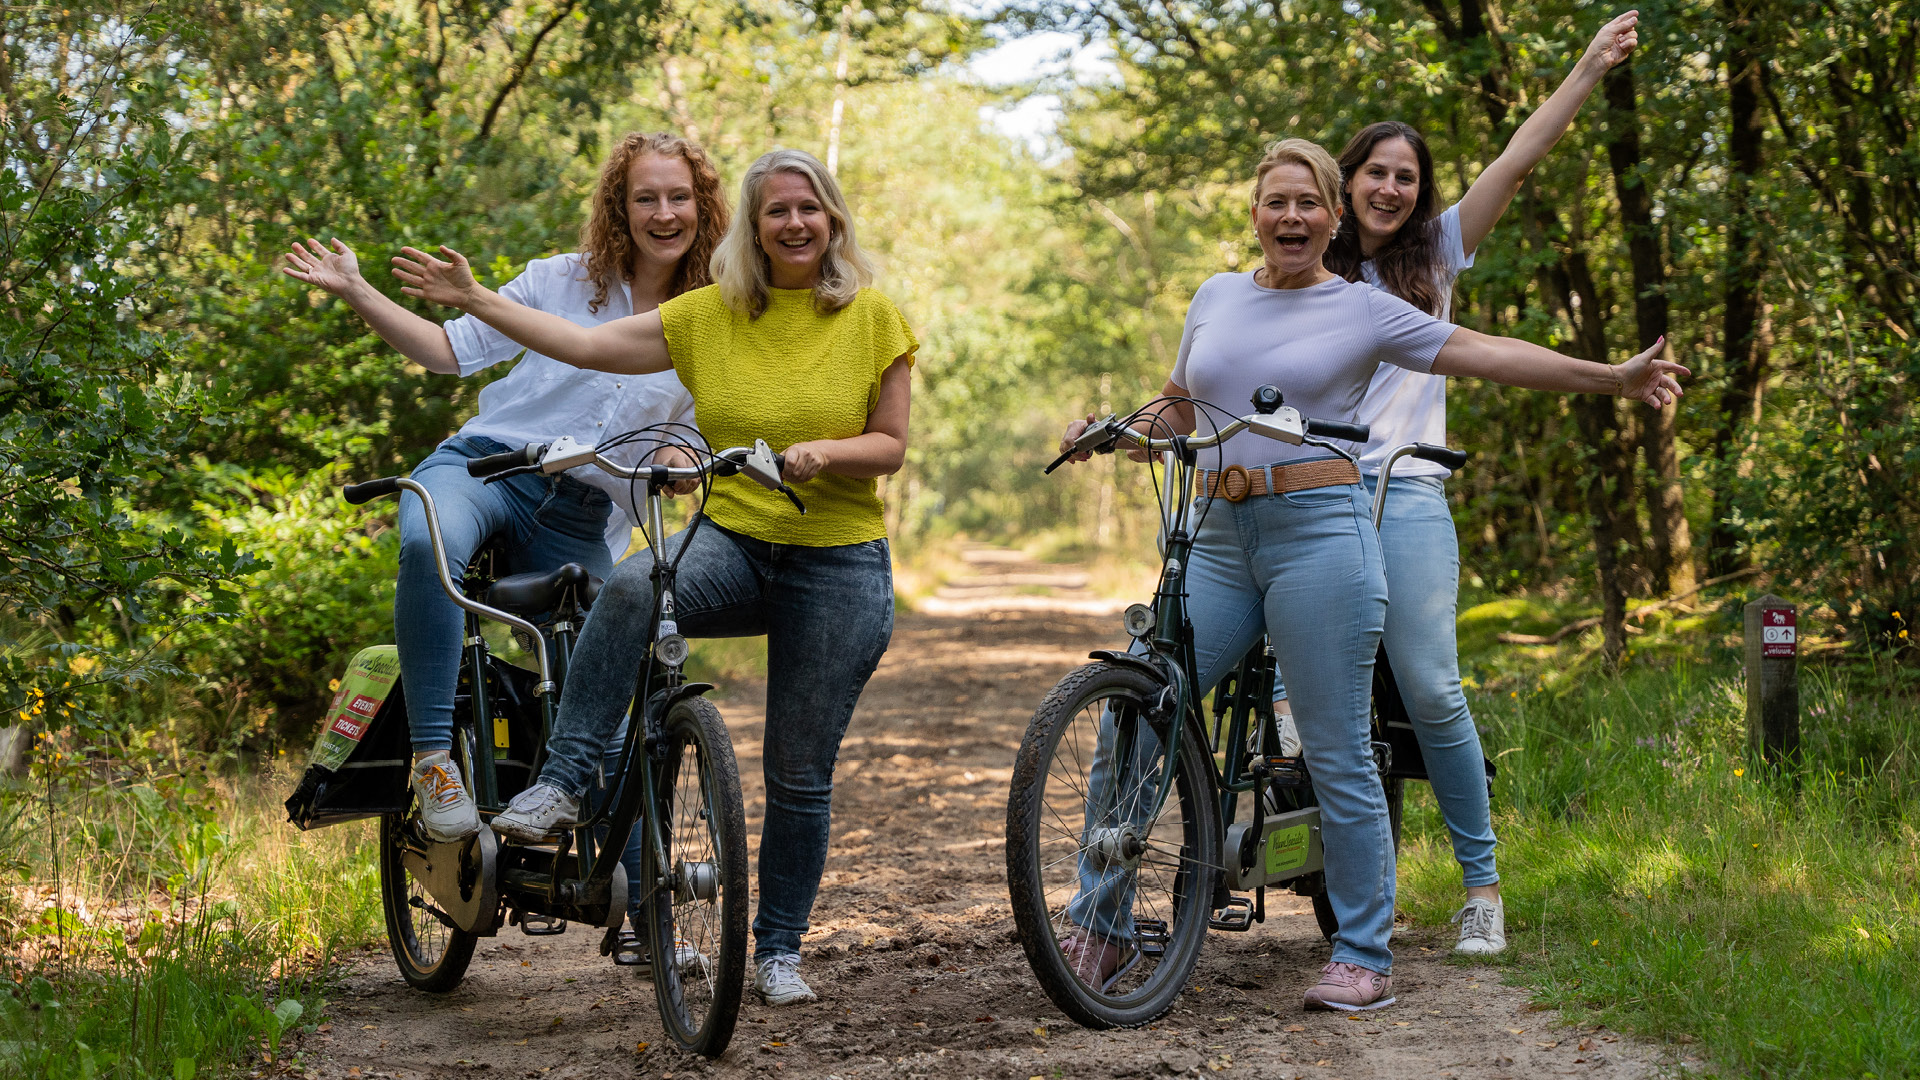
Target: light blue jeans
{"x": 547, "y": 522}
{"x": 1423, "y": 585}
{"x": 1304, "y": 568}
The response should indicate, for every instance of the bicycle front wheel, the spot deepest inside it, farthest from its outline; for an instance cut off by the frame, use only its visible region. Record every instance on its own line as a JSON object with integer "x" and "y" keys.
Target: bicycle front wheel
{"x": 432, "y": 955}
{"x": 1112, "y": 884}
{"x": 695, "y": 907}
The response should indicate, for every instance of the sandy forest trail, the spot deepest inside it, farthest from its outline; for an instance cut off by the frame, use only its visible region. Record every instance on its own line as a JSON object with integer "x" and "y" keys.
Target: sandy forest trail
{"x": 912, "y": 946}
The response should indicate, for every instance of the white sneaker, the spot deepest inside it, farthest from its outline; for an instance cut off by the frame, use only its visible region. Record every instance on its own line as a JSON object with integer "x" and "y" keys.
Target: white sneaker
{"x": 446, "y": 810}
{"x": 536, "y": 813}
{"x": 1483, "y": 927}
{"x": 777, "y": 980}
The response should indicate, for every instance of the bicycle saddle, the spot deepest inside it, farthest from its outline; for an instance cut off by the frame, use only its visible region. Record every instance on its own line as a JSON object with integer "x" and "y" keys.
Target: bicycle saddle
{"x": 537, "y": 594}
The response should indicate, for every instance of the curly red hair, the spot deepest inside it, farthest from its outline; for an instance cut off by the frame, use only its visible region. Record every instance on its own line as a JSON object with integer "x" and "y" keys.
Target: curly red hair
{"x": 606, "y": 241}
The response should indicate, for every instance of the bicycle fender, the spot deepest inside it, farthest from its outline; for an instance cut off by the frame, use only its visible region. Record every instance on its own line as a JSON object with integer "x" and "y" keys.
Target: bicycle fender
{"x": 1127, "y": 659}
{"x": 670, "y": 698}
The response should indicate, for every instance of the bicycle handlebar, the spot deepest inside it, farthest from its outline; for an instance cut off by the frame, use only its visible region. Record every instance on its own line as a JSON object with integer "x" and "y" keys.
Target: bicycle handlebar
{"x": 372, "y": 489}
{"x": 1335, "y": 429}
{"x": 525, "y": 457}
{"x": 1444, "y": 456}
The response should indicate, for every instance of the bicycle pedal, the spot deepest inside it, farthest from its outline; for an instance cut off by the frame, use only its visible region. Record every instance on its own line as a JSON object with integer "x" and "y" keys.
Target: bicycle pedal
{"x": 629, "y": 949}
{"x": 541, "y": 925}
{"x": 1287, "y": 772}
{"x": 1236, "y": 915}
{"x": 1152, "y": 937}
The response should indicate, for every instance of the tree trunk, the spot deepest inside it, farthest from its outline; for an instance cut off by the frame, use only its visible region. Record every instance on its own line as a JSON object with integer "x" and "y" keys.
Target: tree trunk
{"x": 1671, "y": 546}
{"x": 1743, "y": 359}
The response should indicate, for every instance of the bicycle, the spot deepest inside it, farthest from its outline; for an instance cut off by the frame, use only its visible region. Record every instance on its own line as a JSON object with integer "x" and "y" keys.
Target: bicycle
{"x": 440, "y": 898}
{"x": 1090, "y": 806}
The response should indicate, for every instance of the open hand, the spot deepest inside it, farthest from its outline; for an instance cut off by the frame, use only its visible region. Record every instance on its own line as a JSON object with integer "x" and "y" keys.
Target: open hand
{"x": 336, "y": 270}
{"x": 1649, "y": 379}
{"x": 448, "y": 281}
{"x": 1614, "y": 42}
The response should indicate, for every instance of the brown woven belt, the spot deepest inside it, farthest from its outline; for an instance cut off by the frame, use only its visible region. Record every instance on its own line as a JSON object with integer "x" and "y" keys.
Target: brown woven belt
{"x": 1237, "y": 482}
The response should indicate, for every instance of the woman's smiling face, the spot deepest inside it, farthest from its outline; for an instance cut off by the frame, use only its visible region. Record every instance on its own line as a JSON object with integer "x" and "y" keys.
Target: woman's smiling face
{"x": 662, "y": 215}
{"x": 1293, "y": 220}
{"x": 793, "y": 227}
{"x": 1384, "y": 189}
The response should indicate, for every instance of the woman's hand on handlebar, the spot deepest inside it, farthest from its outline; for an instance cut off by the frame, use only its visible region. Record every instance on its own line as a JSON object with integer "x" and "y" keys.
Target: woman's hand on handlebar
{"x": 1079, "y": 427}
{"x": 674, "y": 457}
{"x": 803, "y": 461}
{"x": 1650, "y": 379}
{"x": 446, "y": 281}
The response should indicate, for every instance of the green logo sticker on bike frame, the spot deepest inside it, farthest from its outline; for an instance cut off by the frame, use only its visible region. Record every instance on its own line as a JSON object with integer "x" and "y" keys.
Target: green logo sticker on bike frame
{"x": 1286, "y": 849}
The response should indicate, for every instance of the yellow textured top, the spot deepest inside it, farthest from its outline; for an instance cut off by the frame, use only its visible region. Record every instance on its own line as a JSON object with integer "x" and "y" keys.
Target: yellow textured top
{"x": 791, "y": 376}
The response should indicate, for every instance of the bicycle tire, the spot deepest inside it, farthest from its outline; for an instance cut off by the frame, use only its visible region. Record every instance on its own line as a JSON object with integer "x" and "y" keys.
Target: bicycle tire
{"x": 704, "y": 827}
{"x": 1050, "y": 849}
{"x": 431, "y": 955}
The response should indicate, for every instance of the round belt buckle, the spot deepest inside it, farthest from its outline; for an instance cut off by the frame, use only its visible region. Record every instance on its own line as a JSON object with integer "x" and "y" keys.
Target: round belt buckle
{"x": 1235, "y": 483}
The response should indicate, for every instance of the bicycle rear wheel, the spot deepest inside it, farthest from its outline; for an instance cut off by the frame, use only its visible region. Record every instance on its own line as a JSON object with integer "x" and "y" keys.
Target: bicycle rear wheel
{"x": 430, "y": 953}
{"x": 1111, "y": 885}
{"x": 696, "y": 907}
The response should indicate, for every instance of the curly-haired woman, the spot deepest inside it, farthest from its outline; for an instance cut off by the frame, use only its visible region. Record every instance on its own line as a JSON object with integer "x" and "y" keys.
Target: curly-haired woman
{"x": 658, "y": 212}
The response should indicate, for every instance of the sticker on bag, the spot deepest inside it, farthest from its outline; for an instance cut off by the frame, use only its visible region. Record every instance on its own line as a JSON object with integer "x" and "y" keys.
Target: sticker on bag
{"x": 368, "y": 682}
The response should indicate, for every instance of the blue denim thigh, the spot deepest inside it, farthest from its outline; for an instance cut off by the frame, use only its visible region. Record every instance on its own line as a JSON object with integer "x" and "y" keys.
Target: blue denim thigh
{"x": 427, "y": 625}
{"x": 829, "y": 619}
{"x": 719, "y": 587}
{"x": 1313, "y": 561}
{"x": 1422, "y": 556}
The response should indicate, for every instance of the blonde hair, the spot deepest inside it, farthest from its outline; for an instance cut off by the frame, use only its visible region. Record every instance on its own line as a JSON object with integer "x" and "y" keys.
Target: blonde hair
{"x": 744, "y": 272}
{"x": 606, "y": 241}
{"x": 1304, "y": 152}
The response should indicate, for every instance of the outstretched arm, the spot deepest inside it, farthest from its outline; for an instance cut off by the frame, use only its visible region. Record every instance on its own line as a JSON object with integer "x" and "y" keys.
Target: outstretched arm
{"x": 635, "y": 345}
{"x": 337, "y": 270}
{"x": 1526, "y": 365}
{"x": 1490, "y": 195}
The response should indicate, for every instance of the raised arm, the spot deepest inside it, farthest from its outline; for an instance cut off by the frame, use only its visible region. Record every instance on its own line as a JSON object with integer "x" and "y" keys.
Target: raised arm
{"x": 635, "y": 345}
{"x": 1490, "y": 195}
{"x": 1519, "y": 363}
{"x": 337, "y": 270}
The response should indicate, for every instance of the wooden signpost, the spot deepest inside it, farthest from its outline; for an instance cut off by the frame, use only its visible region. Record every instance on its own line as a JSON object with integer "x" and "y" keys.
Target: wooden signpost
{"x": 1773, "y": 681}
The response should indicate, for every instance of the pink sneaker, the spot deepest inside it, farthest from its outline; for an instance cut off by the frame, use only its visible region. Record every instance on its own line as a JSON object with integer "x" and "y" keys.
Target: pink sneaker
{"x": 1350, "y": 988}
{"x": 1098, "y": 962}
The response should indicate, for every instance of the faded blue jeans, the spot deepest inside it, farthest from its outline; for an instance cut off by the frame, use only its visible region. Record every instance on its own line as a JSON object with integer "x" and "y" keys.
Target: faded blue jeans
{"x": 828, "y": 615}
{"x": 547, "y": 521}
{"x": 1304, "y": 568}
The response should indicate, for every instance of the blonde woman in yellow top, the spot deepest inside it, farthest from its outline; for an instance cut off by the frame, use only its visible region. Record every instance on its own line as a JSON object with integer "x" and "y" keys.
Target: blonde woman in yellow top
{"x": 789, "y": 345}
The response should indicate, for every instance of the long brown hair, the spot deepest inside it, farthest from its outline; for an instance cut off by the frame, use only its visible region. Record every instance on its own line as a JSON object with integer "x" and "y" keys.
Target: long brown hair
{"x": 1409, "y": 262}
{"x": 606, "y": 240}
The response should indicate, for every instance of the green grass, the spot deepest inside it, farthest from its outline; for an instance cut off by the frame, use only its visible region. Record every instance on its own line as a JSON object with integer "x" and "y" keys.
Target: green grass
{"x": 1657, "y": 880}
{"x": 193, "y": 932}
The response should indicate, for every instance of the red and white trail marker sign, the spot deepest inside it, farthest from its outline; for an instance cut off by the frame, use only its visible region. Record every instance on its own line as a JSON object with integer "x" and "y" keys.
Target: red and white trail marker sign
{"x": 1778, "y": 635}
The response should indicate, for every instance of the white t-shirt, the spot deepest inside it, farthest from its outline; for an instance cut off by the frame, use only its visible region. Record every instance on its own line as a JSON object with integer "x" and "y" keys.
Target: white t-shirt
{"x": 1410, "y": 406}
{"x": 1320, "y": 345}
{"x": 542, "y": 398}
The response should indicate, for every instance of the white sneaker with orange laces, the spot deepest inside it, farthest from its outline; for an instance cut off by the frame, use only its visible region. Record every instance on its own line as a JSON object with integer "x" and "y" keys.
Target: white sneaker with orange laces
{"x": 446, "y": 810}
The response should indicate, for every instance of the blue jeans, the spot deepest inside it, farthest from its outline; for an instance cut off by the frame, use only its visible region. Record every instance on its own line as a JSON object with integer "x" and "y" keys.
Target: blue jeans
{"x": 547, "y": 522}
{"x": 828, "y": 615}
{"x": 1303, "y": 568}
{"x": 1423, "y": 585}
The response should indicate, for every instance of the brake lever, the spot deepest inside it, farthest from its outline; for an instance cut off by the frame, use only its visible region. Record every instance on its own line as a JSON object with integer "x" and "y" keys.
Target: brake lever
{"x": 1315, "y": 440}
{"x": 793, "y": 498}
{"x": 1098, "y": 438}
{"x": 511, "y": 473}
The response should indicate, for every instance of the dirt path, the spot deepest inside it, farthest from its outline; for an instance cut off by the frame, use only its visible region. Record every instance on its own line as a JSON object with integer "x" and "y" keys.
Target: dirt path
{"x": 912, "y": 946}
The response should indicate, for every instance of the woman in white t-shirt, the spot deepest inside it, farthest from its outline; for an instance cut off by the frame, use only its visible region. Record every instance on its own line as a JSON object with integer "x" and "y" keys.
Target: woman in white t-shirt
{"x": 1297, "y": 558}
{"x": 1391, "y": 239}
{"x": 658, "y": 212}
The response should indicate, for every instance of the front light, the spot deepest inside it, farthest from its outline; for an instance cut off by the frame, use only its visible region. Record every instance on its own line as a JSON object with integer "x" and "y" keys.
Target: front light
{"x": 1138, "y": 620}
{"x": 672, "y": 650}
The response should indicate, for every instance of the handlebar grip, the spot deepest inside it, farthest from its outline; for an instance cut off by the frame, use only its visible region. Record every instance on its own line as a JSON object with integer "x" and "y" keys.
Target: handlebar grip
{"x": 372, "y": 489}
{"x": 1334, "y": 429}
{"x": 1444, "y": 456}
{"x": 510, "y": 459}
